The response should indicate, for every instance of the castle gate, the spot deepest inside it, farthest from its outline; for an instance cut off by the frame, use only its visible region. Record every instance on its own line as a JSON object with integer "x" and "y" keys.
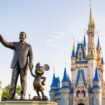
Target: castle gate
{"x": 80, "y": 104}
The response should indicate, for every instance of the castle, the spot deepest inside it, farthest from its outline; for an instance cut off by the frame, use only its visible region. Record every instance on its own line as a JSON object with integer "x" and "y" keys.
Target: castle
{"x": 86, "y": 86}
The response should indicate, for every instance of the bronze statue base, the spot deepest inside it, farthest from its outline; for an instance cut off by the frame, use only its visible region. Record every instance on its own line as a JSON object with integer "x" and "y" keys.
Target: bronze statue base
{"x": 27, "y": 102}
{"x": 36, "y": 98}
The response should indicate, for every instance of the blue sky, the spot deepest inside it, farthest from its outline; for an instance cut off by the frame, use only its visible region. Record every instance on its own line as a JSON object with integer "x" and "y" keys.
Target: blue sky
{"x": 50, "y": 26}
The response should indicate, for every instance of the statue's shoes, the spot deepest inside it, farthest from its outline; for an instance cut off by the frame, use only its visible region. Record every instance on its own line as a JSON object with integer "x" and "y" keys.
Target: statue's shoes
{"x": 44, "y": 98}
{"x": 36, "y": 98}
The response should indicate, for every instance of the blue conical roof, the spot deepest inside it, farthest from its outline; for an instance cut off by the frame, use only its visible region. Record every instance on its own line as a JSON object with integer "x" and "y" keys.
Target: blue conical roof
{"x": 58, "y": 82}
{"x": 84, "y": 42}
{"x": 73, "y": 53}
{"x": 53, "y": 81}
{"x": 98, "y": 44}
{"x": 102, "y": 61}
{"x": 96, "y": 77}
{"x": 65, "y": 80}
{"x": 65, "y": 76}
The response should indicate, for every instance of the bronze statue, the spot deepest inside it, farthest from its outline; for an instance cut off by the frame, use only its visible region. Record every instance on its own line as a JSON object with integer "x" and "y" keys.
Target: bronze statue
{"x": 22, "y": 59}
{"x": 39, "y": 81}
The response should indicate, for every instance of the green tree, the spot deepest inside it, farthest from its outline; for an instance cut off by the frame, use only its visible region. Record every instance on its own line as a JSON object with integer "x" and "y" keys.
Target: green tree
{"x": 5, "y": 92}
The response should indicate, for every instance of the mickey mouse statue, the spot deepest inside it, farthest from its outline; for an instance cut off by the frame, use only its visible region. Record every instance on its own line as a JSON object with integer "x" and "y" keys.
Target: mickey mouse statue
{"x": 39, "y": 81}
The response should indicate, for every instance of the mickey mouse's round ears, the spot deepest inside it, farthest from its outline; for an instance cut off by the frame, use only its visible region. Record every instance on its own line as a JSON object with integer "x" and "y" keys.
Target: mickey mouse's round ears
{"x": 37, "y": 65}
{"x": 46, "y": 67}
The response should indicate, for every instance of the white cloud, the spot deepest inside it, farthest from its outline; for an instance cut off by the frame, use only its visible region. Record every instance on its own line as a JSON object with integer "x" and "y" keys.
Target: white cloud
{"x": 55, "y": 38}
{"x": 50, "y": 42}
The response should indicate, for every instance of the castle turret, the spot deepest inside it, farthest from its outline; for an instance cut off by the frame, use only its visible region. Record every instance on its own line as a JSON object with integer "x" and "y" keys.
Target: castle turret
{"x": 55, "y": 86}
{"x": 65, "y": 80}
{"x": 53, "y": 89}
{"x": 97, "y": 89}
{"x": 91, "y": 48}
{"x": 58, "y": 93}
{"x": 65, "y": 90}
{"x": 99, "y": 59}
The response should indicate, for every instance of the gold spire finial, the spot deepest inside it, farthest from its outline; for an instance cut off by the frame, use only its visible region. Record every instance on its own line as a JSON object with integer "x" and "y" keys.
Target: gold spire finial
{"x": 91, "y": 20}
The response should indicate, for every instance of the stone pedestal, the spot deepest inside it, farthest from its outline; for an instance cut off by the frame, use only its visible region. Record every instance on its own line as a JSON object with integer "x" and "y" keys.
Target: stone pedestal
{"x": 27, "y": 103}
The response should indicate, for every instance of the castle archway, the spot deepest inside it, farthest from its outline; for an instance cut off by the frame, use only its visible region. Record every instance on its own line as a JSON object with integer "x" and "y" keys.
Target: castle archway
{"x": 80, "y": 104}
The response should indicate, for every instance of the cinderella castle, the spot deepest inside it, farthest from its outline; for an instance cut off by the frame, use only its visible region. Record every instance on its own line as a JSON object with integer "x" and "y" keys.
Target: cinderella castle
{"x": 86, "y": 86}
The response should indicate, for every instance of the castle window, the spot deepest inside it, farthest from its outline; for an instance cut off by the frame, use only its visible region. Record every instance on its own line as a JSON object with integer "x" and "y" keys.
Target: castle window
{"x": 83, "y": 92}
{"x": 80, "y": 56}
{"x": 78, "y": 92}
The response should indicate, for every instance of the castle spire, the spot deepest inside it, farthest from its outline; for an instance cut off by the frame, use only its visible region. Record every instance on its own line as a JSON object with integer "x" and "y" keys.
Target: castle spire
{"x": 65, "y": 77}
{"x": 65, "y": 80}
{"x": 98, "y": 44}
{"x": 91, "y": 47}
{"x": 97, "y": 89}
{"x": 91, "y": 19}
{"x": 91, "y": 35}
{"x": 96, "y": 77}
{"x": 73, "y": 51}
{"x": 84, "y": 41}
{"x": 102, "y": 61}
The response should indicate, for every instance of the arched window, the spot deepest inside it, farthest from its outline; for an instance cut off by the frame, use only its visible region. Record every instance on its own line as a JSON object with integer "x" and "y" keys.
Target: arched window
{"x": 77, "y": 93}
{"x": 84, "y": 93}
{"x": 80, "y": 104}
{"x": 80, "y": 56}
